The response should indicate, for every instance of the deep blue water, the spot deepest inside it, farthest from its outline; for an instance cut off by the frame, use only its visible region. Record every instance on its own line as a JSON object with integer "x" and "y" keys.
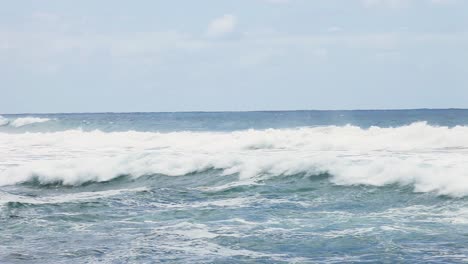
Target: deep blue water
{"x": 235, "y": 187}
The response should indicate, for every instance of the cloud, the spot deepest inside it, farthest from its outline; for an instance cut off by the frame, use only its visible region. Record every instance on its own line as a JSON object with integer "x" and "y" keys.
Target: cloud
{"x": 46, "y": 17}
{"x": 443, "y": 2}
{"x": 334, "y": 29}
{"x": 222, "y": 25}
{"x": 277, "y": 1}
{"x": 401, "y": 3}
{"x": 386, "y": 3}
{"x": 44, "y": 47}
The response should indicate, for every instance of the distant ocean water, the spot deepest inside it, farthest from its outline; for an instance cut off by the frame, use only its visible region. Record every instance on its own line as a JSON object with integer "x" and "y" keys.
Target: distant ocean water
{"x": 228, "y": 187}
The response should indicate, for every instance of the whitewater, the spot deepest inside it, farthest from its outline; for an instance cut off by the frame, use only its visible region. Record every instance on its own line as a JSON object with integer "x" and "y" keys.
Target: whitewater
{"x": 282, "y": 187}
{"x": 429, "y": 158}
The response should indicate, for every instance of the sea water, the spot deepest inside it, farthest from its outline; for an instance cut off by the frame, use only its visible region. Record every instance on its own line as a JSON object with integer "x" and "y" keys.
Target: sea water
{"x": 235, "y": 187}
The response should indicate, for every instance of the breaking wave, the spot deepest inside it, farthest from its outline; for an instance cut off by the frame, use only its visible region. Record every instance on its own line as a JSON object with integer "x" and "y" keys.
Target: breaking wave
{"x": 4, "y": 121}
{"x": 22, "y": 121}
{"x": 428, "y": 158}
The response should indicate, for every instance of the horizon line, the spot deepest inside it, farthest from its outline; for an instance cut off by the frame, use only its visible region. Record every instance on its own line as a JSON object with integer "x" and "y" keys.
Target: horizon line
{"x": 232, "y": 111}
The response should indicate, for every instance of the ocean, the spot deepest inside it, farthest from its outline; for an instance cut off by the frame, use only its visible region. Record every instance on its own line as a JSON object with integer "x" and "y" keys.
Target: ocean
{"x": 235, "y": 187}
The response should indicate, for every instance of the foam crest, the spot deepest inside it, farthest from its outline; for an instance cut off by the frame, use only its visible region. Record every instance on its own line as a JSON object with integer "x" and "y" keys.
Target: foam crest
{"x": 429, "y": 158}
{"x": 23, "y": 121}
{"x": 3, "y": 121}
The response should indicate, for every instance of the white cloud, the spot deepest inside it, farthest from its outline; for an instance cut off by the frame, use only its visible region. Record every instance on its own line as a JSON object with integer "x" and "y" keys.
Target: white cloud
{"x": 386, "y": 3}
{"x": 277, "y": 1}
{"x": 334, "y": 29}
{"x": 222, "y": 25}
{"x": 45, "y": 48}
{"x": 258, "y": 57}
{"x": 47, "y": 17}
{"x": 401, "y": 3}
{"x": 443, "y": 2}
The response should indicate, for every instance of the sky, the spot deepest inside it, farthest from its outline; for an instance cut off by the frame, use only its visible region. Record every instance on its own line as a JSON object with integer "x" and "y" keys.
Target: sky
{"x": 225, "y": 55}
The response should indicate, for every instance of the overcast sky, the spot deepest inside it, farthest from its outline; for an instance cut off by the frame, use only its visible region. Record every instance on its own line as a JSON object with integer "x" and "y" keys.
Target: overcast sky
{"x": 205, "y": 55}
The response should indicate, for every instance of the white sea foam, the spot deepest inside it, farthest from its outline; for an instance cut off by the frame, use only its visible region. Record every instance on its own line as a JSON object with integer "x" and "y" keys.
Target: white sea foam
{"x": 64, "y": 198}
{"x": 23, "y": 121}
{"x": 196, "y": 239}
{"x": 429, "y": 158}
{"x": 3, "y": 121}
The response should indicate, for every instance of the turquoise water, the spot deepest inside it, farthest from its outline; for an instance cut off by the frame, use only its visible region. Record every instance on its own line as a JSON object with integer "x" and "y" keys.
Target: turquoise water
{"x": 253, "y": 187}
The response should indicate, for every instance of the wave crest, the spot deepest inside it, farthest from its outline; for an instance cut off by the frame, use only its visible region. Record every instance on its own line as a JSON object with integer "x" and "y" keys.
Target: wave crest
{"x": 429, "y": 158}
{"x": 22, "y": 121}
{"x": 4, "y": 121}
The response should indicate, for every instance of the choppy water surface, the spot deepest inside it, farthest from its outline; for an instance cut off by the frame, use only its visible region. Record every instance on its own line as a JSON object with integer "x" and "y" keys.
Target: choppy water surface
{"x": 260, "y": 187}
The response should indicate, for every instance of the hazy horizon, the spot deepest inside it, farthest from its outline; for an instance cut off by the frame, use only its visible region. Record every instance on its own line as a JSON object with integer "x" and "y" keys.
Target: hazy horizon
{"x": 243, "y": 111}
